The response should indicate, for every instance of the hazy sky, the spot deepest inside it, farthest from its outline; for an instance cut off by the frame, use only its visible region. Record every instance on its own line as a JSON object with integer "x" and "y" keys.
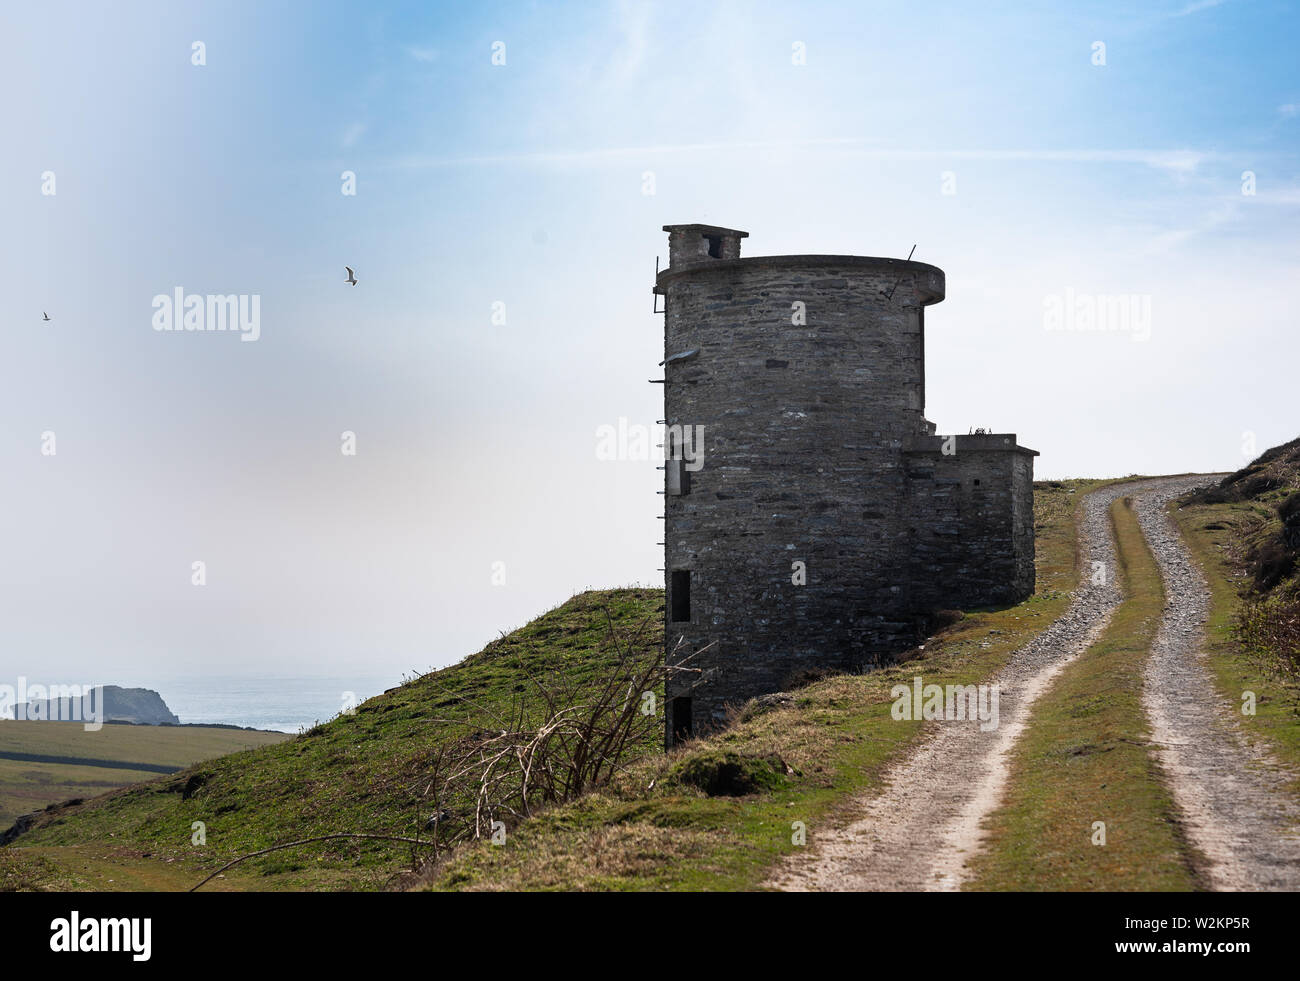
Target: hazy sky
{"x": 990, "y": 138}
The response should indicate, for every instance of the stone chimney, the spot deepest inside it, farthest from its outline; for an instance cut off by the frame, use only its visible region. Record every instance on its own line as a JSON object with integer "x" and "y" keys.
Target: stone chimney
{"x": 691, "y": 244}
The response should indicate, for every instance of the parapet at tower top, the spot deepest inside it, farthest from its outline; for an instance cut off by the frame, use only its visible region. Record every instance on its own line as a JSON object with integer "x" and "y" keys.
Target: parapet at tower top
{"x": 693, "y": 246}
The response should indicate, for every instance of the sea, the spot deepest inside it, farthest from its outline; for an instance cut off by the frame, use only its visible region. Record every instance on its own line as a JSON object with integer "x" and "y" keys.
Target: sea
{"x": 281, "y": 704}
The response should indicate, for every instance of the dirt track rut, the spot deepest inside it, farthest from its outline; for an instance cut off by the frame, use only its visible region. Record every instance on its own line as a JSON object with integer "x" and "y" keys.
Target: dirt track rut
{"x": 918, "y": 833}
{"x": 1229, "y": 790}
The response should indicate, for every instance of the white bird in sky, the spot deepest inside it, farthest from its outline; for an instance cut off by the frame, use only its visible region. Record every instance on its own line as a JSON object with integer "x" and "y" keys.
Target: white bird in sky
{"x": 352, "y": 277}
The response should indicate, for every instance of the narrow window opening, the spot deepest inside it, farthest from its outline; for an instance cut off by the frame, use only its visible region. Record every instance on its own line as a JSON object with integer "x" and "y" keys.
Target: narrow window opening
{"x": 679, "y": 478}
{"x": 715, "y": 246}
{"x": 683, "y": 725}
{"x": 977, "y": 481}
{"x": 681, "y": 599}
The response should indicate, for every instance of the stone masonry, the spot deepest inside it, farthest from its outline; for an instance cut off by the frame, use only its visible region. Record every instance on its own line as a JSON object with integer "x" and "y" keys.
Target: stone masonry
{"x": 820, "y": 522}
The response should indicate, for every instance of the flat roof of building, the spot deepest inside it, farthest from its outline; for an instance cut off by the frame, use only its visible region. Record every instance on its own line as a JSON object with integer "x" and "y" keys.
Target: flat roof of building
{"x": 707, "y": 229}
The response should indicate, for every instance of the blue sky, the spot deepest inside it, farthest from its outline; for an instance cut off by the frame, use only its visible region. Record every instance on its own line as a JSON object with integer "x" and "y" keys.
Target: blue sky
{"x": 522, "y": 184}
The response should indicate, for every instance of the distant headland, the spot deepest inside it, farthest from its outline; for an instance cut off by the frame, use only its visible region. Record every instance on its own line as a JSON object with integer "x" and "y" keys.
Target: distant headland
{"x": 138, "y": 706}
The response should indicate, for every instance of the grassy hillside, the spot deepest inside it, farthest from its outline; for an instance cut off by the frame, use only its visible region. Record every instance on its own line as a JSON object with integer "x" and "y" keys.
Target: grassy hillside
{"x": 70, "y": 771}
{"x": 371, "y": 772}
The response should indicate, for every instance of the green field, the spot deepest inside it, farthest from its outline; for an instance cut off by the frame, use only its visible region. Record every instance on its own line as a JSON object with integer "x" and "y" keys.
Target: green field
{"x": 29, "y": 785}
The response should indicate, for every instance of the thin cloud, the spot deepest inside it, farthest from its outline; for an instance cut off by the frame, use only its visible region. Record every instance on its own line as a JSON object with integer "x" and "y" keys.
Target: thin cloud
{"x": 1225, "y": 211}
{"x": 1197, "y": 7}
{"x": 1282, "y": 195}
{"x": 634, "y": 26}
{"x": 352, "y": 134}
{"x": 1173, "y": 161}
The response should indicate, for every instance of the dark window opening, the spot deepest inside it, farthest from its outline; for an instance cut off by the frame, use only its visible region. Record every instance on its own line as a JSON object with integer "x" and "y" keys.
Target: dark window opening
{"x": 715, "y": 246}
{"x": 678, "y": 479}
{"x": 683, "y": 725}
{"x": 681, "y": 596}
{"x": 977, "y": 481}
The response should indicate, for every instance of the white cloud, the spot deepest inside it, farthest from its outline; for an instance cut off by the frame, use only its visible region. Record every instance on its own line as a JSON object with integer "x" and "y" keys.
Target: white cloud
{"x": 634, "y": 25}
{"x": 352, "y": 134}
{"x": 422, "y": 54}
{"x": 1178, "y": 162}
{"x": 1282, "y": 195}
{"x": 1197, "y": 6}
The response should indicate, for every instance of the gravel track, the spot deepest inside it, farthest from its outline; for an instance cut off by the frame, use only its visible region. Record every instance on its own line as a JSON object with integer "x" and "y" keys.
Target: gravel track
{"x": 919, "y": 831}
{"x": 1231, "y": 793}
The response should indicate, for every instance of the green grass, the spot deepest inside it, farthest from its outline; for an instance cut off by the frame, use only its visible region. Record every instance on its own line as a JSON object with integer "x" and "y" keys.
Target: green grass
{"x": 27, "y": 786}
{"x": 362, "y": 773}
{"x": 1215, "y": 533}
{"x": 169, "y": 745}
{"x": 1085, "y": 757}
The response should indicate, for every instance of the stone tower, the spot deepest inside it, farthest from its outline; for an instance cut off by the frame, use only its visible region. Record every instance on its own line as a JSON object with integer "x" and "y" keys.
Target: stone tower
{"x": 812, "y": 518}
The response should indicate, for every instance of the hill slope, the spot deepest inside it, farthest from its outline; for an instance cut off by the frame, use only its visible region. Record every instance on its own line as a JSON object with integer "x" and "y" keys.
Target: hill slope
{"x": 370, "y": 772}
{"x": 1256, "y": 512}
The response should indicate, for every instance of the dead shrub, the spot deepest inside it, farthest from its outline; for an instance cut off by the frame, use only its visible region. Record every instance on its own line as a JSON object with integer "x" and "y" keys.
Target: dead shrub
{"x": 561, "y": 737}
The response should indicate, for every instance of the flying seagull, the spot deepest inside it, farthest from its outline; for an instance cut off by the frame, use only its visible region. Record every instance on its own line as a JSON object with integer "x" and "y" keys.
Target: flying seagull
{"x": 352, "y": 277}
{"x": 47, "y": 316}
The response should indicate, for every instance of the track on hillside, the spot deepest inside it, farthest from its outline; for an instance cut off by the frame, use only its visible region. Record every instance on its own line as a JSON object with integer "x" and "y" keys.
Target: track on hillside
{"x": 1228, "y": 790}
{"x": 919, "y": 832}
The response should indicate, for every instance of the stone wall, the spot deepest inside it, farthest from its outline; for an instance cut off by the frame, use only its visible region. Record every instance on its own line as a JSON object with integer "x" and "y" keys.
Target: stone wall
{"x": 965, "y": 543}
{"x": 807, "y": 376}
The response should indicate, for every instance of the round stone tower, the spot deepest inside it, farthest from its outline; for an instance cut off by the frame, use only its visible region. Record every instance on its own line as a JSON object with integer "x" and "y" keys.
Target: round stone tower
{"x": 794, "y": 405}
